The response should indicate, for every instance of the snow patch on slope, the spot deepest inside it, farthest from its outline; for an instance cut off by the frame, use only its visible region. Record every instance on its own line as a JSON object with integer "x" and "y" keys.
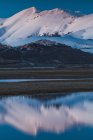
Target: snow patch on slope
{"x": 81, "y": 27}
{"x": 29, "y": 23}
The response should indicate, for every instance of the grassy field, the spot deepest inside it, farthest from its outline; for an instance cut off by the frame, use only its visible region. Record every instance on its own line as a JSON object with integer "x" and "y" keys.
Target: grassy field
{"x": 27, "y": 73}
{"x": 45, "y": 87}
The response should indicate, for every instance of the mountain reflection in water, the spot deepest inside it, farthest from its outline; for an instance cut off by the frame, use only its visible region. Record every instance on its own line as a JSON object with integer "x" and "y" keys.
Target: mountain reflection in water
{"x": 55, "y": 115}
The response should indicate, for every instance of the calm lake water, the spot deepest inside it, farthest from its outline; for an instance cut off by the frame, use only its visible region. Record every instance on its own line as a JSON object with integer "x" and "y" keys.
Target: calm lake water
{"x": 62, "y": 118}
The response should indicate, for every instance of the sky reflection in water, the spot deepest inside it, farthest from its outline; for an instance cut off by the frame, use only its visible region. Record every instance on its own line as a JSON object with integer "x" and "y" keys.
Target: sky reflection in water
{"x": 56, "y": 115}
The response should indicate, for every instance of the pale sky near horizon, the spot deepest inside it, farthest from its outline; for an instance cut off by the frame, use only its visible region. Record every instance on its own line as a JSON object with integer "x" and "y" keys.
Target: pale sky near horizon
{"x": 10, "y": 7}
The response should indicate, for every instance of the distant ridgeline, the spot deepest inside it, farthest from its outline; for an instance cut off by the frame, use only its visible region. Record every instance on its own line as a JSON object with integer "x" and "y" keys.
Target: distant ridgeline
{"x": 43, "y": 53}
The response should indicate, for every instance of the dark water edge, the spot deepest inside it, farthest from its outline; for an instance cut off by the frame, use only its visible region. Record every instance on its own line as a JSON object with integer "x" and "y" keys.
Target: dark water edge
{"x": 60, "y": 117}
{"x": 8, "y": 132}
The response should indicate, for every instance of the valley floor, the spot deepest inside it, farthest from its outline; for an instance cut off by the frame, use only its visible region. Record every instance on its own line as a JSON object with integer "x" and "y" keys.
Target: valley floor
{"x": 14, "y": 81}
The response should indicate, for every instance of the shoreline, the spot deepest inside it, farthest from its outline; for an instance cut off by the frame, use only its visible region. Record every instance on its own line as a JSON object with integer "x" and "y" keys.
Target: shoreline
{"x": 45, "y": 81}
{"x": 44, "y": 87}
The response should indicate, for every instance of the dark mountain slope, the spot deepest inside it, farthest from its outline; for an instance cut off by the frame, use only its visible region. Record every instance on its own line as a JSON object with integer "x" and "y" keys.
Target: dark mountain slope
{"x": 40, "y": 54}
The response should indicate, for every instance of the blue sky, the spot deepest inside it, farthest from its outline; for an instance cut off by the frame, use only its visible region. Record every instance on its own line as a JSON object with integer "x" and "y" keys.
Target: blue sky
{"x": 10, "y": 7}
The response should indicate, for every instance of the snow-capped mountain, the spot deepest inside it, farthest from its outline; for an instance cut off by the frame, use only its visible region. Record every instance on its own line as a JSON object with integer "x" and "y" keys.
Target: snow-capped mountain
{"x": 23, "y": 26}
{"x": 30, "y": 22}
{"x": 82, "y": 27}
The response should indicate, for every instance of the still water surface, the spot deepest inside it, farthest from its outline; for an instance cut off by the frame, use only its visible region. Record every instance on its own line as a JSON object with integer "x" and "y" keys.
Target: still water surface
{"x": 62, "y": 118}
{"x": 40, "y": 80}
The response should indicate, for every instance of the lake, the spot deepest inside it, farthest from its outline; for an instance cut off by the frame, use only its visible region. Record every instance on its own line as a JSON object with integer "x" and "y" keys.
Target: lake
{"x": 60, "y": 117}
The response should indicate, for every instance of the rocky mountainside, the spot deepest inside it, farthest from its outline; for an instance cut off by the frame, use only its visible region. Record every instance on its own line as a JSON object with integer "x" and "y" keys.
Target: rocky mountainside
{"x": 37, "y": 54}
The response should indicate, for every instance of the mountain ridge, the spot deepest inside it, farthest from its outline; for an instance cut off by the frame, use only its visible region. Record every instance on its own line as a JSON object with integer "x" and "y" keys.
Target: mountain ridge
{"x": 38, "y": 54}
{"x": 56, "y": 22}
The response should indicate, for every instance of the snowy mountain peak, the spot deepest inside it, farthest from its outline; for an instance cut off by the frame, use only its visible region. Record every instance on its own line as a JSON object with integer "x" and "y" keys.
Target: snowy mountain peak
{"x": 32, "y": 10}
{"x": 20, "y": 28}
{"x": 29, "y": 22}
{"x": 56, "y": 10}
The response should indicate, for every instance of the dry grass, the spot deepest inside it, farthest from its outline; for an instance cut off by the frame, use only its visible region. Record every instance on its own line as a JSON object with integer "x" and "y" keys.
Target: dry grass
{"x": 47, "y": 86}
{"x": 10, "y": 73}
